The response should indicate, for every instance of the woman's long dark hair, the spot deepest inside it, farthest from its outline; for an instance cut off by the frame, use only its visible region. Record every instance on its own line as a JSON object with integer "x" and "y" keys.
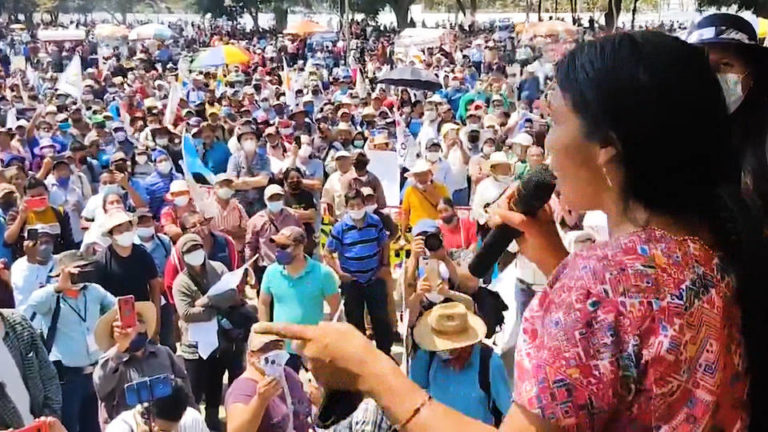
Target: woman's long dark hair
{"x": 655, "y": 99}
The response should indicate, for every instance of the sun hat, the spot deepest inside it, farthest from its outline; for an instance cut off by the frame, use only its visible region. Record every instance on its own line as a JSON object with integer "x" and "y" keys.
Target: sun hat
{"x": 102, "y": 333}
{"x": 421, "y": 165}
{"x": 522, "y": 139}
{"x": 115, "y": 218}
{"x": 448, "y": 326}
{"x": 70, "y": 258}
{"x": 498, "y": 158}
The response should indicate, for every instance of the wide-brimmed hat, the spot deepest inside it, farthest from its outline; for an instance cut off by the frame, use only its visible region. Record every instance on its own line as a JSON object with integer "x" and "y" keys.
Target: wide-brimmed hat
{"x": 102, "y": 333}
{"x": 115, "y": 218}
{"x": 71, "y": 258}
{"x": 522, "y": 139}
{"x": 498, "y": 158}
{"x": 448, "y": 326}
{"x": 421, "y": 165}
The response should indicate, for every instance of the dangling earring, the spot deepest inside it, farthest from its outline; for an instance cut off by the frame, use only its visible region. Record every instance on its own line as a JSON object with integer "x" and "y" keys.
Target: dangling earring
{"x": 607, "y": 179}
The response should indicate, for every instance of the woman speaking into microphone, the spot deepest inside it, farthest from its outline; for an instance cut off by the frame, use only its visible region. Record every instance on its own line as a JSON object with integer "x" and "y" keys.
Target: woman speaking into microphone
{"x": 660, "y": 328}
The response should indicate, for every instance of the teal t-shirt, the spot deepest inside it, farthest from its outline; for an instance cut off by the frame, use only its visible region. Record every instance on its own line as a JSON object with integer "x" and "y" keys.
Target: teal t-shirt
{"x": 299, "y": 300}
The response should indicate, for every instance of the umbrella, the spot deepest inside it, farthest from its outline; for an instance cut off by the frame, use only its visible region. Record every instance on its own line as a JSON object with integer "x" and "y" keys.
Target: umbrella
{"x": 151, "y": 31}
{"x": 110, "y": 31}
{"x": 305, "y": 27}
{"x": 221, "y": 55}
{"x": 411, "y": 77}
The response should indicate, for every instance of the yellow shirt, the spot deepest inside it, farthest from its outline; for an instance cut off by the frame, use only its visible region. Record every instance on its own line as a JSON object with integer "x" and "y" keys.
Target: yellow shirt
{"x": 416, "y": 203}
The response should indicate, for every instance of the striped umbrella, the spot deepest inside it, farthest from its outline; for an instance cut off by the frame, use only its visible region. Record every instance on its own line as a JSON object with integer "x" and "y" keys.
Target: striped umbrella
{"x": 221, "y": 55}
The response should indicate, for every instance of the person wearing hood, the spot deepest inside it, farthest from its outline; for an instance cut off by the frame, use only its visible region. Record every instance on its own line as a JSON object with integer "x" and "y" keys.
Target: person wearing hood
{"x": 79, "y": 302}
{"x": 251, "y": 168}
{"x": 158, "y": 184}
{"x": 129, "y": 354}
{"x": 190, "y": 288}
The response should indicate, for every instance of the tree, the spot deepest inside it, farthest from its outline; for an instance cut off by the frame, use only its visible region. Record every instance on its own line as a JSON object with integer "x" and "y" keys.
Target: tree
{"x": 759, "y": 7}
{"x": 401, "y": 8}
{"x": 612, "y": 14}
{"x": 634, "y": 13}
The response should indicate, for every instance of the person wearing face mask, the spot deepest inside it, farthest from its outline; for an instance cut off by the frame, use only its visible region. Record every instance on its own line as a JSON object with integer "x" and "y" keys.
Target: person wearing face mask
{"x": 430, "y": 121}
{"x": 65, "y": 195}
{"x": 310, "y": 166}
{"x": 44, "y": 154}
{"x": 230, "y": 217}
{"x": 458, "y": 233}
{"x": 35, "y": 209}
{"x": 84, "y": 172}
{"x": 158, "y": 183}
{"x": 361, "y": 247}
{"x": 31, "y": 272}
{"x": 731, "y": 44}
{"x": 128, "y": 355}
{"x": 421, "y": 196}
{"x": 256, "y": 398}
{"x": 180, "y": 203}
{"x": 77, "y": 120}
{"x": 478, "y": 164}
{"x": 76, "y": 303}
{"x": 123, "y": 143}
{"x": 332, "y": 200}
{"x": 520, "y": 144}
{"x": 190, "y": 289}
{"x": 263, "y": 225}
{"x": 124, "y": 268}
{"x": 295, "y": 287}
{"x": 359, "y": 177}
{"x": 141, "y": 166}
{"x": 251, "y": 168}
{"x": 491, "y": 188}
{"x": 456, "y": 368}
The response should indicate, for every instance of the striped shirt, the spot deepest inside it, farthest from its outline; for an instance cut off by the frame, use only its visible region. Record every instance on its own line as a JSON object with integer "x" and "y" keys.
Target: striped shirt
{"x": 229, "y": 219}
{"x": 359, "y": 249}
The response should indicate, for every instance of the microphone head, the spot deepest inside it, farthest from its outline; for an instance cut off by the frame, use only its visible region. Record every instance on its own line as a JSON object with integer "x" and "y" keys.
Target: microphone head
{"x": 535, "y": 190}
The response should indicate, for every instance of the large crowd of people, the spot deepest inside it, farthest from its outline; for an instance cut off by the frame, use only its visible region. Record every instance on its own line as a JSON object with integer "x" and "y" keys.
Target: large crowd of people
{"x": 243, "y": 210}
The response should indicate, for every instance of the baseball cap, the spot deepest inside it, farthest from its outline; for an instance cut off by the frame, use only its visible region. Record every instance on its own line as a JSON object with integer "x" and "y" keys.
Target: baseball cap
{"x": 425, "y": 226}
{"x": 258, "y": 340}
{"x": 273, "y": 189}
{"x": 290, "y": 235}
{"x": 118, "y": 156}
{"x": 367, "y": 191}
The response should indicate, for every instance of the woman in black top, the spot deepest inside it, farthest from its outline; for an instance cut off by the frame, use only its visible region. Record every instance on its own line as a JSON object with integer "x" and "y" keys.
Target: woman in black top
{"x": 302, "y": 203}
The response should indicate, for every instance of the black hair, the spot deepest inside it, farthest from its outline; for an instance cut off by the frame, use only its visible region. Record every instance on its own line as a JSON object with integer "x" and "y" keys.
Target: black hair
{"x": 354, "y": 194}
{"x": 287, "y": 172}
{"x": 616, "y": 85}
{"x": 187, "y": 216}
{"x": 34, "y": 183}
{"x": 446, "y": 202}
{"x": 172, "y": 407}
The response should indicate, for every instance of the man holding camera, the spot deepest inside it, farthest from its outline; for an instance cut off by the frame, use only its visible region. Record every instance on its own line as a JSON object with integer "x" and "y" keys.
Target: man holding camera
{"x": 362, "y": 246}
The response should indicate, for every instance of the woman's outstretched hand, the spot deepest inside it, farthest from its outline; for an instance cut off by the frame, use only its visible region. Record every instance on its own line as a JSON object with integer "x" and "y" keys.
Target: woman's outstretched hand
{"x": 337, "y": 354}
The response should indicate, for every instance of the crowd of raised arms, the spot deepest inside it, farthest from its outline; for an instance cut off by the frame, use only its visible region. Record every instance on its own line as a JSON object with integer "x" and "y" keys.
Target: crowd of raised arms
{"x": 208, "y": 228}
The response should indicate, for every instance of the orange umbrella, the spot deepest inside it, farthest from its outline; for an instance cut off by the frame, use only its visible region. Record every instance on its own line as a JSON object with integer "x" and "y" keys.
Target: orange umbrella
{"x": 304, "y": 27}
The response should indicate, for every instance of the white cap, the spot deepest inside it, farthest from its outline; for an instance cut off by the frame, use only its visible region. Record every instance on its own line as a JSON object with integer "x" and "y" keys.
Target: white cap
{"x": 523, "y": 139}
{"x": 421, "y": 165}
{"x": 497, "y": 158}
{"x": 341, "y": 153}
{"x": 273, "y": 189}
{"x": 178, "y": 186}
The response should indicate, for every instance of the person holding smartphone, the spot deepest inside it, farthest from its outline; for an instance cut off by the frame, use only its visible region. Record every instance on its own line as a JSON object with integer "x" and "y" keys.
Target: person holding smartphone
{"x": 74, "y": 351}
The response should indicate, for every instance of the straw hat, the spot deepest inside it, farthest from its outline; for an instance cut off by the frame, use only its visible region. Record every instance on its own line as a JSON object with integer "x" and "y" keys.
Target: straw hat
{"x": 421, "y": 165}
{"x": 448, "y": 326}
{"x": 102, "y": 333}
{"x": 115, "y": 218}
{"x": 497, "y": 158}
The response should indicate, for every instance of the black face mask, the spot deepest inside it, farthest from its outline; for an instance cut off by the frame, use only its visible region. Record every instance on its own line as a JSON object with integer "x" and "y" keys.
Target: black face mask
{"x": 279, "y": 111}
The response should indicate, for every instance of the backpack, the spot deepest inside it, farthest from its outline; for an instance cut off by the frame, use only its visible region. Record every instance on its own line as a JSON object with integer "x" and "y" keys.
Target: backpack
{"x": 484, "y": 379}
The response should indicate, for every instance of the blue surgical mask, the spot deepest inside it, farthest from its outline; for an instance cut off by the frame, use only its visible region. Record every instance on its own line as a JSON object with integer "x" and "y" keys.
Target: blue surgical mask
{"x": 110, "y": 189}
{"x": 274, "y": 206}
{"x": 284, "y": 257}
{"x": 65, "y": 126}
{"x": 63, "y": 182}
{"x": 138, "y": 342}
{"x": 445, "y": 355}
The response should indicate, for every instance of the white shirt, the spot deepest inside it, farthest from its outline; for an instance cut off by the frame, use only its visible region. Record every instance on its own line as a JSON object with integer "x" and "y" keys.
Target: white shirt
{"x": 10, "y": 376}
{"x": 458, "y": 170}
{"x": 70, "y": 200}
{"x": 27, "y": 278}
{"x": 441, "y": 173}
{"x": 487, "y": 192}
{"x": 191, "y": 421}
{"x": 332, "y": 193}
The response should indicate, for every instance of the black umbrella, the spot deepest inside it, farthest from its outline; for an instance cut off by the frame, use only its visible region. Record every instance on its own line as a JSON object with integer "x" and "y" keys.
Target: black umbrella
{"x": 411, "y": 77}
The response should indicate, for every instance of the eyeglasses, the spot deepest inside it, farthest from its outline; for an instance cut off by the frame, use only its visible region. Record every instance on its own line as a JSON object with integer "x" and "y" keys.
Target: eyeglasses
{"x": 203, "y": 223}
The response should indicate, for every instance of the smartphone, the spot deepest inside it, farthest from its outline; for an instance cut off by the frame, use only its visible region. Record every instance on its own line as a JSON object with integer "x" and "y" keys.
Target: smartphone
{"x": 148, "y": 389}
{"x": 126, "y": 309}
{"x": 35, "y": 426}
{"x": 33, "y": 234}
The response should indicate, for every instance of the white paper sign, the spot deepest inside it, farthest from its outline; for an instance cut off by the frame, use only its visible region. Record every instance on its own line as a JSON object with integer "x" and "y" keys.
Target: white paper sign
{"x": 384, "y": 164}
{"x": 205, "y": 334}
{"x": 274, "y": 363}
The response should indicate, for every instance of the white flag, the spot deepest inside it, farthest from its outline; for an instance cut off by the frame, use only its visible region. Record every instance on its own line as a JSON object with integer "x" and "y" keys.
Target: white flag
{"x": 174, "y": 96}
{"x": 71, "y": 81}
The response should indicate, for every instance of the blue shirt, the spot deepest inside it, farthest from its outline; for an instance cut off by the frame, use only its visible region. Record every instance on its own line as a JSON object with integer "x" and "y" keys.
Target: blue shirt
{"x": 5, "y": 252}
{"x": 216, "y": 157}
{"x": 220, "y": 251}
{"x": 460, "y": 389}
{"x": 74, "y": 345}
{"x": 160, "y": 249}
{"x": 156, "y": 186}
{"x": 299, "y": 300}
{"x": 359, "y": 249}
{"x": 251, "y": 199}
{"x": 138, "y": 186}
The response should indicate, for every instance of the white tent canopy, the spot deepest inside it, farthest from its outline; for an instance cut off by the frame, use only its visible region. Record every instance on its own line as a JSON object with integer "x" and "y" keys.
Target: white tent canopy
{"x": 419, "y": 38}
{"x": 61, "y": 35}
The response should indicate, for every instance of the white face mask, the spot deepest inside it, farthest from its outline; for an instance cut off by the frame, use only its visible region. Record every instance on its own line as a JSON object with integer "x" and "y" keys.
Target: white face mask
{"x": 249, "y": 146}
{"x": 356, "y": 214}
{"x": 164, "y": 167}
{"x": 224, "y": 193}
{"x": 487, "y": 150}
{"x": 141, "y": 159}
{"x": 504, "y": 179}
{"x": 434, "y": 297}
{"x": 371, "y": 208}
{"x": 432, "y": 156}
{"x": 275, "y": 206}
{"x": 181, "y": 201}
{"x": 430, "y": 115}
{"x": 145, "y": 232}
{"x": 161, "y": 141}
{"x": 731, "y": 84}
{"x": 120, "y": 136}
{"x": 195, "y": 258}
{"x": 125, "y": 239}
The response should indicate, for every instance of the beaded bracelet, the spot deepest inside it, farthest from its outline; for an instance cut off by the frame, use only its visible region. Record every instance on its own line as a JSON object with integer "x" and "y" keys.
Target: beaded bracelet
{"x": 413, "y": 414}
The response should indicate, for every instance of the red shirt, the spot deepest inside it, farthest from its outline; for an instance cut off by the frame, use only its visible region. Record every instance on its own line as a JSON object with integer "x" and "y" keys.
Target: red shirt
{"x": 637, "y": 334}
{"x": 461, "y": 236}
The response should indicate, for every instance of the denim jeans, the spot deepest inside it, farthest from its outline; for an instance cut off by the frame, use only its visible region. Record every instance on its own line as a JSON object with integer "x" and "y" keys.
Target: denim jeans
{"x": 373, "y": 295}
{"x": 80, "y": 405}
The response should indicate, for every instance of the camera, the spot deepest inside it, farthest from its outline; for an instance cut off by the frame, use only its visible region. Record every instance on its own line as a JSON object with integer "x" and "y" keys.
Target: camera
{"x": 433, "y": 241}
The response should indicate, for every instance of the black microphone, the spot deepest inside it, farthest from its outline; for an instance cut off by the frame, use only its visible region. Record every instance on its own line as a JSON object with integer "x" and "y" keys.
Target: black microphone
{"x": 535, "y": 190}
